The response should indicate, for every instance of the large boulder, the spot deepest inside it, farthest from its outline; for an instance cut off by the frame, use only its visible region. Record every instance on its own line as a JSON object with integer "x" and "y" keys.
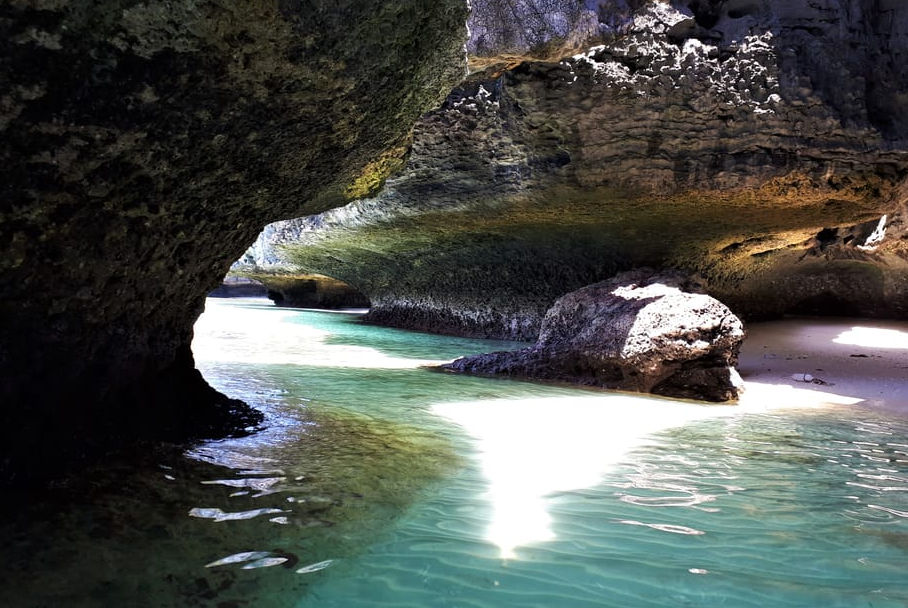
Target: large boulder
{"x": 640, "y": 331}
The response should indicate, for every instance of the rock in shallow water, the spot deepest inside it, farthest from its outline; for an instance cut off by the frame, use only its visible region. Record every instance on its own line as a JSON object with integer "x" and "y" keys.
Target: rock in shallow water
{"x": 640, "y": 331}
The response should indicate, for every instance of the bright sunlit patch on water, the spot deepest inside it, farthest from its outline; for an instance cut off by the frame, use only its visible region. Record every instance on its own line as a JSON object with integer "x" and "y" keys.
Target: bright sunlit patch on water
{"x": 664, "y": 527}
{"x": 238, "y": 558}
{"x": 219, "y": 515}
{"x": 873, "y": 337}
{"x": 529, "y": 448}
{"x": 315, "y": 567}
{"x": 532, "y": 448}
{"x": 227, "y": 333}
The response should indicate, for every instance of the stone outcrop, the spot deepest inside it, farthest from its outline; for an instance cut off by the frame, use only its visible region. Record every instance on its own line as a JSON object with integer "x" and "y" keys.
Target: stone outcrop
{"x": 239, "y": 287}
{"x": 639, "y": 331}
{"x": 505, "y": 31}
{"x": 143, "y": 145}
{"x": 762, "y": 145}
{"x": 312, "y": 291}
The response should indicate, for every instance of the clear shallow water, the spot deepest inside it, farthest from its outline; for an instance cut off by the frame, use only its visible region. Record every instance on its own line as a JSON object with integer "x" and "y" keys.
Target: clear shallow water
{"x": 381, "y": 483}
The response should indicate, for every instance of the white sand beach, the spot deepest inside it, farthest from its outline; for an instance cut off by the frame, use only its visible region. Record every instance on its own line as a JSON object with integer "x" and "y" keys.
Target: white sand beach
{"x": 834, "y": 360}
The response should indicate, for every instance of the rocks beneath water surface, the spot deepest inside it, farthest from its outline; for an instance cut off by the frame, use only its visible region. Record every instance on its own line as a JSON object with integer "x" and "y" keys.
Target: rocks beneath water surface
{"x": 639, "y": 331}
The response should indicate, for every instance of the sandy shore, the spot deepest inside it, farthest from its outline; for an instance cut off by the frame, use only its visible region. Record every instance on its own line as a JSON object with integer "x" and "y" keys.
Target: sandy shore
{"x": 846, "y": 361}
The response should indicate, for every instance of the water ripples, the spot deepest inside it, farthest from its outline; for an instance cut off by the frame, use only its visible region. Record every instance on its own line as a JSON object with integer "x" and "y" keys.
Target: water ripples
{"x": 359, "y": 494}
{"x": 714, "y": 513}
{"x": 746, "y": 510}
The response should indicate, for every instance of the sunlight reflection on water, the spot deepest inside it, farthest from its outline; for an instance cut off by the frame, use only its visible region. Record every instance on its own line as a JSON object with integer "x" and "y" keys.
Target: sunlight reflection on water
{"x": 532, "y": 448}
{"x": 529, "y": 447}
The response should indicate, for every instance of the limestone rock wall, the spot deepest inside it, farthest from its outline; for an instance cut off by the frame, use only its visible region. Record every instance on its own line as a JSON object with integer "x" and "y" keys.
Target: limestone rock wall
{"x": 143, "y": 145}
{"x": 760, "y": 145}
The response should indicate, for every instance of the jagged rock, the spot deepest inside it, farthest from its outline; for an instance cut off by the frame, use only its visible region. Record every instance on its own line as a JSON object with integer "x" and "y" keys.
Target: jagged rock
{"x": 640, "y": 331}
{"x": 502, "y": 31}
{"x": 756, "y": 143}
{"x": 143, "y": 145}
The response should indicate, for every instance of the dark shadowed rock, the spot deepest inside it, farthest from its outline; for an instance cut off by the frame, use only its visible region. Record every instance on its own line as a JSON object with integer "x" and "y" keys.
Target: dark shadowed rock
{"x": 143, "y": 145}
{"x": 239, "y": 287}
{"x": 312, "y": 291}
{"x": 640, "y": 331}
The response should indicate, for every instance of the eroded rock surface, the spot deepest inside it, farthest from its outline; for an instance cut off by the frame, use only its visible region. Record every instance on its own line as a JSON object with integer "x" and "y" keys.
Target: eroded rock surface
{"x": 312, "y": 291}
{"x": 143, "y": 145}
{"x": 640, "y": 331}
{"x": 759, "y": 144}
{"x": 239, "y": 287}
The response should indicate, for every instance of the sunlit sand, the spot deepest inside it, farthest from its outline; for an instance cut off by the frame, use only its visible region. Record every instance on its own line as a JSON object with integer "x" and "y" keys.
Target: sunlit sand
{"x": 865, "y": 361}
{"x": 874, "y": 337}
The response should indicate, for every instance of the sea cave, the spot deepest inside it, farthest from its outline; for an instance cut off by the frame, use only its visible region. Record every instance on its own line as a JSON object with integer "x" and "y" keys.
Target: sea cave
{"x": 504, "y": 302}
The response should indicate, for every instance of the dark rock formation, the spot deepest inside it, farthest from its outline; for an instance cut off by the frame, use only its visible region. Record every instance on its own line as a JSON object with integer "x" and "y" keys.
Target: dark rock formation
{"x": 638, "y": 331}
{"x": 759, "y": 144}
{"x": 239, "y": 287}
{"x": 312, "y": 291}
{"x": 143, "y": 145}
{"x": 263, "y": 263}
{"x": 509, "y": 30}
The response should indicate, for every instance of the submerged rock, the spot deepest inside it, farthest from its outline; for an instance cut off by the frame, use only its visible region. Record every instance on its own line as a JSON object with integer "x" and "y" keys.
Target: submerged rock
{"x": 639, "y": 331}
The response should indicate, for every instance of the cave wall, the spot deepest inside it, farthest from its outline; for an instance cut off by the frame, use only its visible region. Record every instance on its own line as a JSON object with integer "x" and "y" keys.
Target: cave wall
{"x": 754, "y": 144}
{"x": 143, "y": 145}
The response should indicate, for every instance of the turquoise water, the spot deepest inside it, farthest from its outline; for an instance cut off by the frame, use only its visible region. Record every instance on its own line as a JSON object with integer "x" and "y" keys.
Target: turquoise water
{"x": 379, "y": 482}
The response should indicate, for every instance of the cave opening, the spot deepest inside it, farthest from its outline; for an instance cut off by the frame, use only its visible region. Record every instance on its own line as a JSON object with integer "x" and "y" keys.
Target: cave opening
{"x": 239, "y": 287}
{"x": 826, "y": 304}
{"x": 300, "y": 290}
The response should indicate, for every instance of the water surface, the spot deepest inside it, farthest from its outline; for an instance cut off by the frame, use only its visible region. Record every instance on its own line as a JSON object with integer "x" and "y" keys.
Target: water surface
{"x": 378, "y": 482}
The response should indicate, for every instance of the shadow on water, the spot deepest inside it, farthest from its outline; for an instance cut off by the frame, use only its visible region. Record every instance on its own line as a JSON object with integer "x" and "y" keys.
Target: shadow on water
{"x": 348, "y": 330}
{"x": 239, "y": 522}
